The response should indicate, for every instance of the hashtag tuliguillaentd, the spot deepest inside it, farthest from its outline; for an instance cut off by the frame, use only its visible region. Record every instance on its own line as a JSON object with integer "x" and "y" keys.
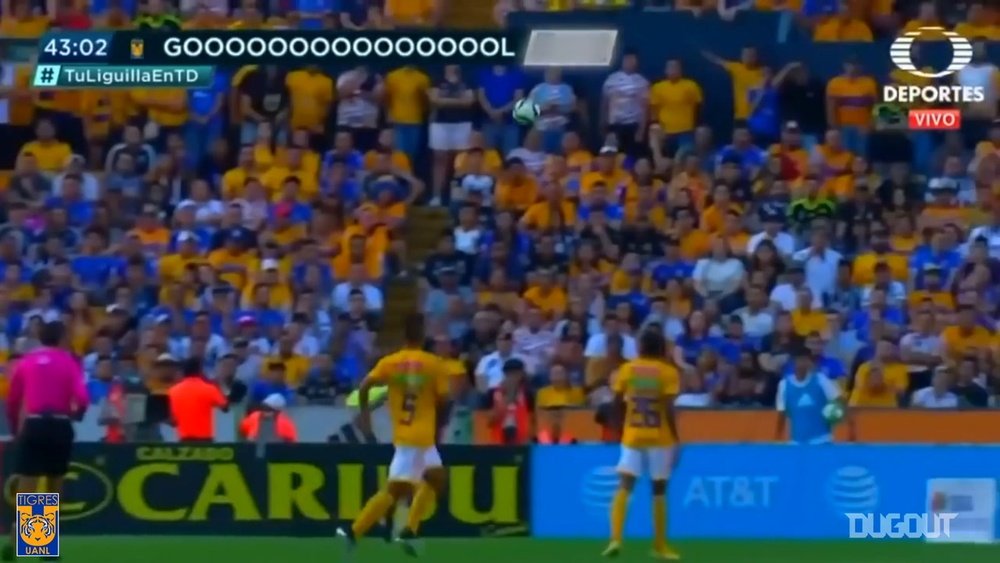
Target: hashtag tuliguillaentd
{"x": 103, "y": 76}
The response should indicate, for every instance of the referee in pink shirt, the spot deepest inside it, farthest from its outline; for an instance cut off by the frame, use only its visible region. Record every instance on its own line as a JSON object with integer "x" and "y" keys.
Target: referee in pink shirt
{"x": 47, "y": 393}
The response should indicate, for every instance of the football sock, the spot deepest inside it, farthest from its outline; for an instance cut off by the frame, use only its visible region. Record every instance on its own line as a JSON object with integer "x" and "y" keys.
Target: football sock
{"x": 619, "y": 509}
{"x": 375, "y": 509}
{"x": 421, "y": 503}
{"x": 659, "y": 521}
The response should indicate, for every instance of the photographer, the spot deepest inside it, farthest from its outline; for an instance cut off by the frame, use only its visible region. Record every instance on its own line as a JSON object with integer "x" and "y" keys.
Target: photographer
{"x": 512, "y": 420}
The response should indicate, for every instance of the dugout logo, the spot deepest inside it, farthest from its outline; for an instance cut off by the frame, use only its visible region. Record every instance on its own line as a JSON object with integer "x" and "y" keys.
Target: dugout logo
{"x": 902, "y": 57}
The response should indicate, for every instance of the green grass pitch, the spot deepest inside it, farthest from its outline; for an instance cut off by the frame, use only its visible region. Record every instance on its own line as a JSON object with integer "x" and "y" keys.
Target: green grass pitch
{"x": 158, "y": 549}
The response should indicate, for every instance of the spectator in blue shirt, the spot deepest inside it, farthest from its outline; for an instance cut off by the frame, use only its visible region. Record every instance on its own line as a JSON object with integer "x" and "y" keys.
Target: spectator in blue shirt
{"x": 312, "y": 12}
{"x": 205, "y": 122}
{"x": 499, "y": 88}
{"x": 272, "y": 381}
{"x": 742, "y": 151}
{"x": 940, "y": 255}
{"x": 355, "y": 14}
{"x": 831, "y": 367}
{"x": 78, "y": 210}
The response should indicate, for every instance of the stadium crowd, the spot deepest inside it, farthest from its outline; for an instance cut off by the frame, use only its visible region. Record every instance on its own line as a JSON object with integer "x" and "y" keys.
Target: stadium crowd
{"x": 253, "y": 224}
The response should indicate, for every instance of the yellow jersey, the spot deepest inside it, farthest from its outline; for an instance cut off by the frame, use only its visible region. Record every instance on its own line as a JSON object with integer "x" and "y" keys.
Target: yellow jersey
{"x": 417, "y": 381}
{"x": 646, "y": 385}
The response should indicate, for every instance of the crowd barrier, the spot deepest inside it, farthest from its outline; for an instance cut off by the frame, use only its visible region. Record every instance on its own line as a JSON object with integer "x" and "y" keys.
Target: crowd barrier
{"x": 717, "y": 491}
{"x": 284, "y": 490}
{"x": 770, "y": 491}
{"x": 741, "y": 426}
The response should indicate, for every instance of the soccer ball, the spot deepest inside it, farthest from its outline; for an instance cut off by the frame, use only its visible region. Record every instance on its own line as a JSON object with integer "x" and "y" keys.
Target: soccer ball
{"x": 833, "y": 412}
{"x": 525, "y": 111}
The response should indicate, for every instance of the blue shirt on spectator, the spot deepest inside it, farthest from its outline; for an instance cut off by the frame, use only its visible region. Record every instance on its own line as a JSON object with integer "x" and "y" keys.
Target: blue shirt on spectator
{"x": 260, "y": 390}
{"x": 764, "y": 121}
{"x": 78, "y": 212}
{"x": 923, "y": 256}
{"x": 748, "y": 158}
{"x": 500, "y": 85}
{"x": 666, "y": 270}
{"x": 94, "y": 271}
{"x": 692, "y": 347}
{"x": 312, "y": 11}
{"x": 820, "y": 7}
{"x": 201, "y": 101}
{"x": 356, "y": 10}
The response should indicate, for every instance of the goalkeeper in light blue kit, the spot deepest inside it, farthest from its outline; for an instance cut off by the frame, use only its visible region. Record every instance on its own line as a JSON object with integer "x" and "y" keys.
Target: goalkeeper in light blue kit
{"x": 808, "y": 403}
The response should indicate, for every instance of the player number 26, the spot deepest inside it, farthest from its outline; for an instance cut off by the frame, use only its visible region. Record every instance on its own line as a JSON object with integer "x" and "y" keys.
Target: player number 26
{"x": 644, "y": 413}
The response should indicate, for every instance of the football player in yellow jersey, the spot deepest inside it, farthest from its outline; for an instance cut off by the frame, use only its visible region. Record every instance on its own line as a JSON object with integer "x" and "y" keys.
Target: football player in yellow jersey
{"x": 645, "y": 390}
{"x": 419, "y": 388}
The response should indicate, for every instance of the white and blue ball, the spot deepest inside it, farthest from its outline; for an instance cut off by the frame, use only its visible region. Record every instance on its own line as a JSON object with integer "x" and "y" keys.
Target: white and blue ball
{"x": 525, "y": 111}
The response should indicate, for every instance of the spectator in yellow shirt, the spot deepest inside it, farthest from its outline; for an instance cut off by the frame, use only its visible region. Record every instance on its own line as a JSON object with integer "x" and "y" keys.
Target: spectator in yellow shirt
{"x": 676, "y": 102}
{"x": 50, "y": 154}
{"x": 746, "y": 75}
{"x": 406, "y": 13}
{"x": 842, "y": 26}
{"x": 406, "y": 90}
{"x": 881, "y": 381}
{"x": 166, "y": 108}
{"x": 978, "y": 25}
{"x": 966, "y": 335}
{"x": 560, "y": 392}
{"x": 22, "y": 22}
{"x": 311, "y": 96}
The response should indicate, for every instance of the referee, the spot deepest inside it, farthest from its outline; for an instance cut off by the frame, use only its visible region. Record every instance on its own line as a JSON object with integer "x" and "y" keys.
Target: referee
{"x": 47, "y": 392}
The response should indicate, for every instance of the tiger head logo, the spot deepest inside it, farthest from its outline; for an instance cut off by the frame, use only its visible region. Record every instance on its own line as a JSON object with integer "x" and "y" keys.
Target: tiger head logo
{"x": 37, "y": 529}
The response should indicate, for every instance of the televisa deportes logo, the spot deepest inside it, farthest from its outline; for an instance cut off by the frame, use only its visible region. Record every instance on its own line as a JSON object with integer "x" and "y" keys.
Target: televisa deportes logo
{"x": 900, "y": 526}
{"x": 961, "y": 56}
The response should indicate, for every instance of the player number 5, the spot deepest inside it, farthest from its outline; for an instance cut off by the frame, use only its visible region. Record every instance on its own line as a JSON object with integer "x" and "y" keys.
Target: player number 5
{"x": 409, "y": 408}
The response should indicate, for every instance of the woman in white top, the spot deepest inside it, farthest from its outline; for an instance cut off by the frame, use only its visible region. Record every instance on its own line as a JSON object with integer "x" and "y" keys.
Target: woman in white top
{"x": 720, "y": 276}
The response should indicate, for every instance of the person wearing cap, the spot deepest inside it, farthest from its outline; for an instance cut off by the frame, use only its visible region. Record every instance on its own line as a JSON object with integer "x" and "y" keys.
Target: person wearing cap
{"x": 273, "y": 407}
{"x": 790, "y": 149}
{"x": 192, "y": 403}
{"x": 172, "y": 266}
{"x": 266, "y": 289}
{"x": 943, "y": 207}
{"x": 608, "y": 171}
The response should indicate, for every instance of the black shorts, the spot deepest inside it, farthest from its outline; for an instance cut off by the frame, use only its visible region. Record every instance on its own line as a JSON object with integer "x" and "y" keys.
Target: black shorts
{"x": 44, "y": 447}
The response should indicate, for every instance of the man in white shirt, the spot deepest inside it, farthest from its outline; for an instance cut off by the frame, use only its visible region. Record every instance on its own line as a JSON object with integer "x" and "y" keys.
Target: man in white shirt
{"x": 784, "y": 295}
{"x": 626, "y": 101}
{"x": 356, "y": 281}
{"x": 489, "y": 370}
{"x": 784, "y": 242}
{"x": 597, "y": 344}
{"x": 820, "y": 263}
{"x": 757, "y": 318}
{"x": 937, "y": 396}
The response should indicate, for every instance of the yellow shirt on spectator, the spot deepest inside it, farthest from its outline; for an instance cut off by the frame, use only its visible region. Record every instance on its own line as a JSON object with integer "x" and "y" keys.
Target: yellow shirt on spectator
{"x": 956, "y": 343}
{"x": 972, "y": 31}
{"x": 51, "y": 155}
{"x": 399, "y": 160}
{"x": 409, "y": 12}
{"x": 312, "y": 95}
{"x": 895, "y": 380}
{"x": 854, "y": 97}
{"x": 29, "y": 28}
{"x": 310, "y": 160}
{"x": 172, "y": 266}
{"x": 492, "y": 162}
{"x": 768, "y": 5}
{"x": 552, "y": 302}
{"x": 836, "y": 28}
{"x": 95, "y": 107}
{"x": 234, "y": 180}
{"x": 941, "y": 299}
{"x": 863, "y": 271}
{"x": 22, "y": 111}
{"x": 274, "y": 178}
{"x": 541, "y": 215}
{"x": 406, "y": 89}
{"x": 296, "y": 368}
{"x": 155, "y": 101}
{"x": 744, "y": 80}
{"x": 675, "y": 104}
{"x": 232, "y": 268}
{"x": 807, "y": 322}
{"x": 551, "y": 396}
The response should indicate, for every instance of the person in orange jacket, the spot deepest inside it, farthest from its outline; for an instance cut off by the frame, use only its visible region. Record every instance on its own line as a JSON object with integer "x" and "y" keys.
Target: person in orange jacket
{"x": 271, "y": 406}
